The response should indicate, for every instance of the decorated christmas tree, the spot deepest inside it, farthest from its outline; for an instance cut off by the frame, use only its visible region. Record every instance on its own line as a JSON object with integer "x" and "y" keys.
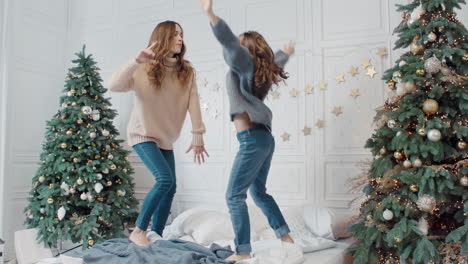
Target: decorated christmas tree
{"x": 83, "y": 189}
{"x": 415, "y": 209}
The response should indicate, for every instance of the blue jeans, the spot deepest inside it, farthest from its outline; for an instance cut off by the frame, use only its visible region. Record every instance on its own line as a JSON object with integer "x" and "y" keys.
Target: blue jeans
{"x": 158, "y": 201}
{"x": 250, "y": 170}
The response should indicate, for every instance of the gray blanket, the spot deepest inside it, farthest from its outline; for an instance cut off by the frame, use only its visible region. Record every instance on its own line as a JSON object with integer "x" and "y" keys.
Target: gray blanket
{"x": 122, "y": 251}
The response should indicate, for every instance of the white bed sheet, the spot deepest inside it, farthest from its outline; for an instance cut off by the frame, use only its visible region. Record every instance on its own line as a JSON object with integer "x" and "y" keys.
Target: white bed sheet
{"x": 334, "y": 255}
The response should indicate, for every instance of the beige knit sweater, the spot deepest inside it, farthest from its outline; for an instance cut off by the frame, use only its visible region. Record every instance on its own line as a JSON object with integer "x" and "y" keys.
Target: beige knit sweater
{"x": 158, "y": 113}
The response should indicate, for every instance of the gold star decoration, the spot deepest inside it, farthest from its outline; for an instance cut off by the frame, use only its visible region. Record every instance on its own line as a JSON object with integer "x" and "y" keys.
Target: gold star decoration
{"x": 309, "y": 89}
{"x": 337, "y": 110}
{"x": 366, "y": 63}
{"x": 320, "y": 123}
{"x": 371, "y": 72}
{"x": 306, "y": 130}
{"x": 294, "y": 92}
{"x": 275, "y": 95}
{"x": 340, "y": 78}
{"x": 353, "y": 71}
{"x": 323, "y": 85}
{"x": 355, "y": 93}
{"x": 382, "y": 52}
{"x": 286, "y": 136}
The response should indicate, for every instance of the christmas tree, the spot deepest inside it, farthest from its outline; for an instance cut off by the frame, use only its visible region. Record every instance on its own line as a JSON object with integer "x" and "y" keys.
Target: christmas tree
{"x": 415, "y": 209}
{"x": 83, "y": 189}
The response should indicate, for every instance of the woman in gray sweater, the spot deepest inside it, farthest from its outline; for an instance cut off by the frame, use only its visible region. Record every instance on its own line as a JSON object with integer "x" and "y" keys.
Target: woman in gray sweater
{"x": 254, "y": 68}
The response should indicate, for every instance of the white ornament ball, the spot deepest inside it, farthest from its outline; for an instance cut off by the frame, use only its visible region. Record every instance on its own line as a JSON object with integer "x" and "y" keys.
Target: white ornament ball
{"x": 79, "y": 181}
{"x": 92, "y": 135}
{"x": 407, "y": 164}
{"x": 399, "y": 133}
{"x": 105, "y": 133}
{"x": 41, "y": 179}
{"x": 69, "y": 94}
{"x": 42, "y": 210}
{"x": 90, "y": 197}
{"x": 432, "y": 65}
{"x": 400, "y": 89}
{"x": 410, "y": 87}
{"x": 99, "y": 176}
{"x": 86, "y": 110}
{"x": 105, "y": 171}
{"x": 391, "y": 123}
{"x": 96, "y": 117}
{"x": 434, "y": 135}
{"x": 98, "y": 187}
{"x": 464, "y": 181}
{"x": 121, "y": 192}
{"x": 83, "y": 196}
{"x": 383, "y": 151}
{"x": 72, "y": 190}
{"x": 417, "y": 163}
{"x": 410, "y": 21}
{"x": 387, "y": 215}
{"x": 61, "y": 213}
{"x": 423, "y": 226}
{"x": 402, "y": 63}
{"x": 432, "y": 37}
{"x": 397, "y": 76}
{"x": 426, "y": 203}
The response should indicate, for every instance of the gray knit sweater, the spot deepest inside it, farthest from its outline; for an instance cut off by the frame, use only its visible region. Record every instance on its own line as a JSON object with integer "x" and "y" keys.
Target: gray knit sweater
{"x": 239, "y": 80}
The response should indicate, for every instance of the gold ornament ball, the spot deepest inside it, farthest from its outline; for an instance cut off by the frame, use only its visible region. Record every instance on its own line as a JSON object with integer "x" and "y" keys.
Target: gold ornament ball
{"x": 69, "y": 132}
{"x": 113, "y": 167}
{"x": 422, "y": 132}
{"x": 109, "y": 183}
{"x": 391, "y": 85}
{"x": 100, "y": 199}
{"x": 50, "y": 200}
{"x": 420, "y": 72}
{"x": 414, "y": 188}
{"x": 80, "y": 147}
{"x": 407, "y": 164}
{"x": 79, "y": 121}
{"x": 464, "y": 181}
{"x": 84, "y": 92}
{"x": 73, "y": 103}
{"x": 441, "y": 28}
{"x": 63, "y": 145}
{"x": 75, "y": 160}
{"x": 126, "y": 158}
{"x": 72, "y": 91}
{"x": 398, "y": 155}
{"x": 79, "y": 181}
{"x": 97, "y": 157}
{"x": 430, "y": 106}
{"x": 461, "y": 145}
{"x": 416, "y": 48}
{"x": 465, "y": 56}
{"x": 125, "y": 170}
{"x": 91, "y": 242}
{"x": 51, "y": 186}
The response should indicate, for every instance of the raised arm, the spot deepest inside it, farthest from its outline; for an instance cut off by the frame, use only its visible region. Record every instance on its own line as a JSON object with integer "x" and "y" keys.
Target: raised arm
{"x": 122, "y": 80}
{"x": 237, "y": 57}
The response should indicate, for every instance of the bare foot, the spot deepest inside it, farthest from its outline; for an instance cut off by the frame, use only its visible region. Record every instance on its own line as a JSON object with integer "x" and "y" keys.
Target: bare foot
{"x": 138, "y": 237}
{"x": 287, "y": 238}
{"x": 235, "y": 257}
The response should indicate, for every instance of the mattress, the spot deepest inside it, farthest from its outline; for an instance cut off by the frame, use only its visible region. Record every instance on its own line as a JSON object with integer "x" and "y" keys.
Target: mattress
{"x": 336, "y": 255}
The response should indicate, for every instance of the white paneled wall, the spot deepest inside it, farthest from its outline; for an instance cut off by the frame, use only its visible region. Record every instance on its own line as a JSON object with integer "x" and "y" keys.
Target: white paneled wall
{"x": 33, "y": 46}
{"x": 39, "y": 40}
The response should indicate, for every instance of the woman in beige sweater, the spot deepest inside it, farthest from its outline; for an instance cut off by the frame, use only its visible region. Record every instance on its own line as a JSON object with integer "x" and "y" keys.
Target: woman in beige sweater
{"x": 165, "y": 89}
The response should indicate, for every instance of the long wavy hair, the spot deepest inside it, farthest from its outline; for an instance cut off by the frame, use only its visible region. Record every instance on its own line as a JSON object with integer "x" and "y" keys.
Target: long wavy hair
{"x": 164, "y": 34}
{"x": 267, "y": 72}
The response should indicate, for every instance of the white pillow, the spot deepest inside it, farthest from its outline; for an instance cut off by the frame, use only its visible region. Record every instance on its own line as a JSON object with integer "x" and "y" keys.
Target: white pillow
{"x": 203, "y": 225}
{"x": 327, "y": 222}
{"x": 28, "y": 250}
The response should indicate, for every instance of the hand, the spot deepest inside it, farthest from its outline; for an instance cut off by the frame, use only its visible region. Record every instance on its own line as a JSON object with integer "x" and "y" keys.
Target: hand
{"x": 146, "y": 55}
{"x": 198, "y": 153}
{"x": 289, "y": 48}
{"x": 207, "y": 6}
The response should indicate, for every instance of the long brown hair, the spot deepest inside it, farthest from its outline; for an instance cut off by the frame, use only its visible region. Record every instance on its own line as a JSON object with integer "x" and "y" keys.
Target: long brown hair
{"x": 267, "y": 72}
{"x": 164, "y": 34}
